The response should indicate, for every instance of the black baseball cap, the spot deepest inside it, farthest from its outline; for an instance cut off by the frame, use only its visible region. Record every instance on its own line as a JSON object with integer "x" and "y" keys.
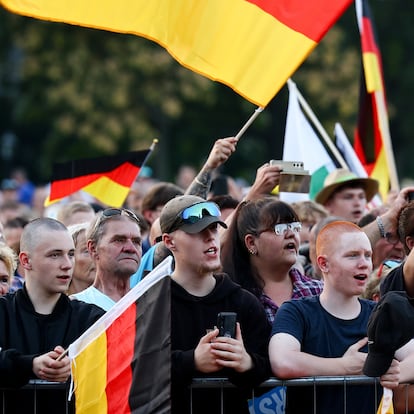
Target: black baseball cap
{"x": 390, "y": 326}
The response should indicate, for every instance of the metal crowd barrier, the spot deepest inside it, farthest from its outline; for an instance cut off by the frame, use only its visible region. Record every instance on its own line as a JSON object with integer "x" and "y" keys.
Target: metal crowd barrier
{"x": 37, "y": 397}
{"x": 29, "y": 395}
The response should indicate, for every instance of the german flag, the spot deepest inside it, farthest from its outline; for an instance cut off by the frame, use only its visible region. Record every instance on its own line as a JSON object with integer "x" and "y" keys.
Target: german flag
{"x": 372, "y": 131}
{"x": 253, "y": 46}
{"x": 106, "y": 178}
{"x": 122, "y": 363}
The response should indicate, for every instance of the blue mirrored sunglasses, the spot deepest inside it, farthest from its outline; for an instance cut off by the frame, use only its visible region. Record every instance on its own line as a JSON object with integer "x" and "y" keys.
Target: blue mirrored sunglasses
{"x": 282, "y": 228}
{"x": 196, "y": 212}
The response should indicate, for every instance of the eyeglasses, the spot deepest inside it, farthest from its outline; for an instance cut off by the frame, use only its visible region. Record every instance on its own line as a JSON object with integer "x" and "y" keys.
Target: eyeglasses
{"x": 282, "y": 228}
{"x": 392, "y": 238}
{"x": 111, "y": 212}
{"x": 195, "y": 213}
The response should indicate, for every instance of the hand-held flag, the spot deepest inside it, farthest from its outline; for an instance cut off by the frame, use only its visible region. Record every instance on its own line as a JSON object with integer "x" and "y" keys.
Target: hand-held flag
{"x": 122, "y": 363}
{"x": 253, "y": 46}
{"x": 372, "y": 141}
{"x": 106, "y": 178}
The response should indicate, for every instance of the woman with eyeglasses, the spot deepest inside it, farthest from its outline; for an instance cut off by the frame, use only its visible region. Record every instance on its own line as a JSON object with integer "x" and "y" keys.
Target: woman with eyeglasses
{"x": 261, "y": 249}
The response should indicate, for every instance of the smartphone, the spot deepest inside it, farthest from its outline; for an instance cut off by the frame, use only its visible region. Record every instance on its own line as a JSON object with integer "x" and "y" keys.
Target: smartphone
{"x": 226, "y": 323}
{"x": 293, "y": 178}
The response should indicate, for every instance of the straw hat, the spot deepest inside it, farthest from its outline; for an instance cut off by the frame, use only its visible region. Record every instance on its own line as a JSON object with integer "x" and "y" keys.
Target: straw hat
{"x": 342, "y": 176}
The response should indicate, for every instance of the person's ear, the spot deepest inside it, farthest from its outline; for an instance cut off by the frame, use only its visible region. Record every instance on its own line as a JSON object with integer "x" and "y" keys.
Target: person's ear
{"x": 409, "y": 241}
{"x": 91, "y": 246}
{"x": 250, "y": 243}
{"x": 168, "y": 241}
{"x": 323, "y": 263}
{"x": 25, "y": 260}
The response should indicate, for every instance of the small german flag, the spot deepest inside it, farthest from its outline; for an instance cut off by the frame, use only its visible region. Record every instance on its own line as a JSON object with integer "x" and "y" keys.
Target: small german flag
{"x": 122, "y": 363}
{"x": 373, "y": 126}
{"x": 106, "y": 178}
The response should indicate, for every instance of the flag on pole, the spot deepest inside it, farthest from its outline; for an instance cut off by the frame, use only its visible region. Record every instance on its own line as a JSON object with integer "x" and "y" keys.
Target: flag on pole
{"x": 372, "y": 141}
{"x": 122, "y": 363}
{"x": 303, "y": 144}
{"x": 106, "y": 178}
{"x": 253, "y": 46}
{"x": 386, "y": 406}
{"x": 344, "y": 146}
{"x": 354, "y": 163}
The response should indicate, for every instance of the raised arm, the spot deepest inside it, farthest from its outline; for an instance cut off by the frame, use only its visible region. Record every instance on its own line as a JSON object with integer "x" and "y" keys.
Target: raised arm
{"x": 219, "y": 154}
{"x": 267, "y": 178}
{"x": 388, "y": 220}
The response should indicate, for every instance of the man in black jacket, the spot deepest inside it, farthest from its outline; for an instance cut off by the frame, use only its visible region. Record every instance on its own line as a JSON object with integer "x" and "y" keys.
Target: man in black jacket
{"x": 190, "y": 230}
{"x": 38, "y": 322}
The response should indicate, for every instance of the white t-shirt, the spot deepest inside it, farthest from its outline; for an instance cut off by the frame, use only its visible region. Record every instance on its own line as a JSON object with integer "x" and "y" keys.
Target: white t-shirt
{"x": 96, "y": 297}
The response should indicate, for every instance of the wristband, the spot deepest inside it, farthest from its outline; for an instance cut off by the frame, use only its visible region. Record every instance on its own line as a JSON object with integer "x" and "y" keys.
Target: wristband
{"x": 381, "y": 228}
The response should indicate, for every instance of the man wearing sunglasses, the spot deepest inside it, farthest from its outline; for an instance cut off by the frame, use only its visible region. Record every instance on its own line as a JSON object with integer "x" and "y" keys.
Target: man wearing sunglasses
{"x": 190, "y": 230}
{"x": 114, "y": 243}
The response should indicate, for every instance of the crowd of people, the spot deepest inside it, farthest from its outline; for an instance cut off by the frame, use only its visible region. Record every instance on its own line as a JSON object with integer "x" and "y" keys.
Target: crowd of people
{"x": 302, "y": 277}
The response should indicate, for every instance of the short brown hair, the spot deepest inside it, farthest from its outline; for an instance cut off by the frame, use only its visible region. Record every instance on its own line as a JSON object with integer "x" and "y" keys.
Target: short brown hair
{"x": 406, "y": 224}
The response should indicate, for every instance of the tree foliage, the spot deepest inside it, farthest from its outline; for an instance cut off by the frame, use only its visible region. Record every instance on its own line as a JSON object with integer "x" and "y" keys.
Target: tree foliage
{"x": 69, "y": 92}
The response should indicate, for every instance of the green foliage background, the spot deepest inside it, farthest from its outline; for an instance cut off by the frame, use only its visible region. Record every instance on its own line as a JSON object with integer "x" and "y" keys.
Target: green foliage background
{"x": 68, "y": 92}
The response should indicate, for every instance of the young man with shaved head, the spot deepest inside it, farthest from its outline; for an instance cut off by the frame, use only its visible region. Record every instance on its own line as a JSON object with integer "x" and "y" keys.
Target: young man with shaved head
{"x": 38, "y": 322}
{"x": 325, "y": 335}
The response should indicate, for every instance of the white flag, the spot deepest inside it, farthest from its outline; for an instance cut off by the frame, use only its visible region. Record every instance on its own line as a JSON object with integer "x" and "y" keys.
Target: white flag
{"x": 303, "y": 144}
{"x": 348, "y": 152}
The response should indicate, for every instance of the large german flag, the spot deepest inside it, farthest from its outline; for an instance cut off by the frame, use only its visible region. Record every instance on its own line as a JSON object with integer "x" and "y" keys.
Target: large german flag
{"x": 253, "y": 46}
{"x": 372, "y": 141}
{"x": 106, "y": 178}
{"x": 122, "y": 363}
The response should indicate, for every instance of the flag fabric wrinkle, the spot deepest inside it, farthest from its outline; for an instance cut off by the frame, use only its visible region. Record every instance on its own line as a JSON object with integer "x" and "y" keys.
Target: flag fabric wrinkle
{"x": 372, "y": 142}
{"x": 252, "y": 46}
{"x": 114, "y": 361}
{"x": 107, "y": 178}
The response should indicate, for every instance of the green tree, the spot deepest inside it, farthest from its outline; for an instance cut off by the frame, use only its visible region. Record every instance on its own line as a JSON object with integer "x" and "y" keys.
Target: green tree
{"x": 69, "y": 92}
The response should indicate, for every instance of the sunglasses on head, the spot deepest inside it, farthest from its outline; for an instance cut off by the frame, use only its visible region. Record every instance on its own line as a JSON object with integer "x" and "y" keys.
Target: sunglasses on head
{"x": 282, "y": 228}
{"x": 111, "y": 212}
{"x": 196, "y": 212}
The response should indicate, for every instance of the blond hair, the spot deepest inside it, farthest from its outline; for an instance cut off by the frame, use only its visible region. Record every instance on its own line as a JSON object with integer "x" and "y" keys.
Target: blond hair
{"x": 9, "y": 258}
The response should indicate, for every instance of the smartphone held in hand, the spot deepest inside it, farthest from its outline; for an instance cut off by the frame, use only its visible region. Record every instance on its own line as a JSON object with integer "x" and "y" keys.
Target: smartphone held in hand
{"x": 226, "y": 323}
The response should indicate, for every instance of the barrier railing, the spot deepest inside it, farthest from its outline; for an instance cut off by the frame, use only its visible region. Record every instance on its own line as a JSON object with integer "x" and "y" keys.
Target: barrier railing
{"x": 36, "y": 397}
{"x": 30, "y": 396}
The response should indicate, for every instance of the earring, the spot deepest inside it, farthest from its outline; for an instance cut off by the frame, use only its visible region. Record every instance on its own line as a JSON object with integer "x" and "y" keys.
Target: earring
{"x": 253, "y": 252}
